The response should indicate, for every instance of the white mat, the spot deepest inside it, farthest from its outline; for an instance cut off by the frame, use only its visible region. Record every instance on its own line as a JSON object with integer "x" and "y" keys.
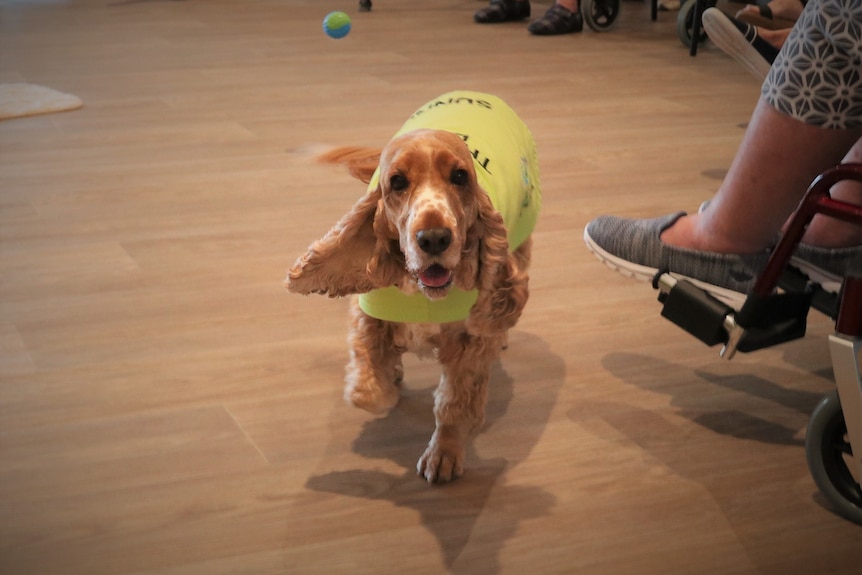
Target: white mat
{"x": 19, "y": 100}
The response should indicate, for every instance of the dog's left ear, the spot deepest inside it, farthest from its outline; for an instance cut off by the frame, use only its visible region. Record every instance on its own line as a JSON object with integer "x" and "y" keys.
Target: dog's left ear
{"x": 502, "y": 287}
{"x": 355, "y": 256}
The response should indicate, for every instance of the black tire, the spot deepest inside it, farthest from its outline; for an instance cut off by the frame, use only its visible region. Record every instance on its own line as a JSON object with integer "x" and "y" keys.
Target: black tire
{"x": 685, "y": 23}
{"x": 827, "y": 449}
{"x": 600, "y": 15}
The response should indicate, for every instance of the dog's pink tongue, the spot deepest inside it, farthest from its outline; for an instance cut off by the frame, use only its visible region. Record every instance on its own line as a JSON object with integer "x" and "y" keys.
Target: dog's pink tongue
{"x": 435, "y": 276}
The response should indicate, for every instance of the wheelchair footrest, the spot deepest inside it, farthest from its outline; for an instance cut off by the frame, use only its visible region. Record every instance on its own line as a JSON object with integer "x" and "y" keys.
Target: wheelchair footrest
{"x": 697, "y": 312}
{"x": 794, "y": 281}
{"x": 773, "y": 320}
{"x": 762, "y": 322}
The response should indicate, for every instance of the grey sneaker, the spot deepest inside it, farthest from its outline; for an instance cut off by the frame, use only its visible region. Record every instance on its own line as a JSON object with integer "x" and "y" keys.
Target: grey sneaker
{"x": 828, "y": 266}
{"x": 634, "y": 249}
{"x": 825, "y": 266}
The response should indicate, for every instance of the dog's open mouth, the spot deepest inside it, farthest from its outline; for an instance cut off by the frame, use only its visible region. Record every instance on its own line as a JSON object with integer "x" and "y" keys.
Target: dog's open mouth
{"x": 435, "y": 277}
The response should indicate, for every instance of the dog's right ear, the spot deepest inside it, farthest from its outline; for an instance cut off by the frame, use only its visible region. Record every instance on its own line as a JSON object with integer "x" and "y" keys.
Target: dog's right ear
{"x": 355, "y": 256}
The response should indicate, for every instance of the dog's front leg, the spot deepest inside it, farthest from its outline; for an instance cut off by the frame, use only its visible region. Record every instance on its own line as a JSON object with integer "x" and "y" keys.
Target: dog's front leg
{"x": 374, "y": 373}
{"x": 459, "y": 403}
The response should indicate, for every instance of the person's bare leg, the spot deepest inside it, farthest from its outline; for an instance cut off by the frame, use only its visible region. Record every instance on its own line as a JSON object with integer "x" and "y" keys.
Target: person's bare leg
{"x": 828, "y": 232}
{"x": 571, "y": 5}
{"x": 776, "y": 161}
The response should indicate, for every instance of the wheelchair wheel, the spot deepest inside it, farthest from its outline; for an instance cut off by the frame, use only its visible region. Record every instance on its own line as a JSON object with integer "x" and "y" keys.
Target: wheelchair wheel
{"x": 600, "y": 15}
{"x": 685, "y": 21}
{"x": 827, "y": 449}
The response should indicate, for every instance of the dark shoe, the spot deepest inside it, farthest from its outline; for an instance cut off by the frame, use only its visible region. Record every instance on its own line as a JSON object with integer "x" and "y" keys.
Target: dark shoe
{"x": 557, "y": 20}
{"x": 634, "y": 249}
{"x": 365, "y": 5}
{"x": 503, "y": 11}
{"x": 740, "y": 41}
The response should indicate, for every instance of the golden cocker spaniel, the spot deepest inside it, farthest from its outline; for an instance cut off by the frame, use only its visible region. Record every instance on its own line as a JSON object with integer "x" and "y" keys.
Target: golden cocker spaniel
{"x": 439, "y": 248}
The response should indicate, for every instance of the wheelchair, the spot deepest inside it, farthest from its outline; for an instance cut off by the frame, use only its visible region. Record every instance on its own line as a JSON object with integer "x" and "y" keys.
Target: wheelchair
{"x": 776, "y": 312}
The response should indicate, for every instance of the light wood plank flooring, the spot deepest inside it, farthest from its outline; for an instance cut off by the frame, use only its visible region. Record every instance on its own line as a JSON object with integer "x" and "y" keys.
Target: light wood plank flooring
{"x": 166, "y": 408}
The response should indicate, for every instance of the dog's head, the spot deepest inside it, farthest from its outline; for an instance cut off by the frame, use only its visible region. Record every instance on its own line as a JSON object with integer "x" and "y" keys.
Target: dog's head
{"x": 427, "y": 219}
{"x": 431, "y": 201}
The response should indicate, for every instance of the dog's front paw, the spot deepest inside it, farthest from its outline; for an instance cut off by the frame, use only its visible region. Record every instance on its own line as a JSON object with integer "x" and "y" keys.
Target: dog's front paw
{"x": 441, "y": 463}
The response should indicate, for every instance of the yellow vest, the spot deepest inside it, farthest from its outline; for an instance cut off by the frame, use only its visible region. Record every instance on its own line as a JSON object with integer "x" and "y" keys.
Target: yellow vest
{"x": 507, "y": 167}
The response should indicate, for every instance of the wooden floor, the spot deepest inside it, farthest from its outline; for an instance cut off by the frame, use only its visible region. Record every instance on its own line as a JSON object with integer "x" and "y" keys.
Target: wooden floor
{"x": 168, "y": 409}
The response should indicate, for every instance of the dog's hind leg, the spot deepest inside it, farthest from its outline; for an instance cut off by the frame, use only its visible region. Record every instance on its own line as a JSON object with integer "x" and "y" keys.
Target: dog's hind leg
{"x": 374, "y": 373}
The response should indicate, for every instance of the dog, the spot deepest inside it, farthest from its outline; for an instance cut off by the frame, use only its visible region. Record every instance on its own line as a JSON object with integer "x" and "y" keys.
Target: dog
{"x": 439, "y": 249}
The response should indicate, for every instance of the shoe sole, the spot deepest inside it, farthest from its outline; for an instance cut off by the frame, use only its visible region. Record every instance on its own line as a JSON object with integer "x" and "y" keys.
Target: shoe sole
{"x": 827, "y": 281}
{"x": 646, "y": 274}
{"x": 725, "y": 35}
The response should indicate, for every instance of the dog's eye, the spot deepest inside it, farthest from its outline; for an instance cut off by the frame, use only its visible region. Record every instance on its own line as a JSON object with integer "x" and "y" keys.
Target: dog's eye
{"x": 459, "y": 177}
{"x": 398, "y": 183}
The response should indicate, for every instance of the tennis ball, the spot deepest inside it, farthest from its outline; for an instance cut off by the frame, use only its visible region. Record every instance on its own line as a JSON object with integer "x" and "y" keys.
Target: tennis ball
{"x": 336, "y": 25}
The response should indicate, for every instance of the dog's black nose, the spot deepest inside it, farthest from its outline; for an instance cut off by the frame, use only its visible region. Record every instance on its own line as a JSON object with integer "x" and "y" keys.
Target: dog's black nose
{"x": 434, "y": 241}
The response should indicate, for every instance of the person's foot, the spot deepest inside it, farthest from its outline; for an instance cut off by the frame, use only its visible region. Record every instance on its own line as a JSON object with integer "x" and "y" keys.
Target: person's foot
{"x": 503, "y": 11}
{"x": 557, "y": 20}
{"x": 774, "y": 15}
{"x": 826, "y": 266}
{"x": 740, "y": 41}
{"x": 634, "y": 248}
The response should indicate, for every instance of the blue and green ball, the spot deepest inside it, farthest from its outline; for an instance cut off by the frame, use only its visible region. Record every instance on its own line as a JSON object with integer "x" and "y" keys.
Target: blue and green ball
{"x": 336, "y": 25}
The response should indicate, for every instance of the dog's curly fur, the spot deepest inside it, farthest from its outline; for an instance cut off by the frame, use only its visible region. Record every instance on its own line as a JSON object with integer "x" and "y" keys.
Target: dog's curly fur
{"x": 427, "y": 183}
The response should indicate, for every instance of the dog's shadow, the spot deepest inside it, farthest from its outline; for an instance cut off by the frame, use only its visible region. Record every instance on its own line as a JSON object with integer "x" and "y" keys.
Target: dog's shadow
{"x": 519, "y": 404}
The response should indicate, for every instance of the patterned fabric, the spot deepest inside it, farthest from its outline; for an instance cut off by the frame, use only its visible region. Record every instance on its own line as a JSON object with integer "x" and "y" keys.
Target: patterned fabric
{"x": 817, "y": 77}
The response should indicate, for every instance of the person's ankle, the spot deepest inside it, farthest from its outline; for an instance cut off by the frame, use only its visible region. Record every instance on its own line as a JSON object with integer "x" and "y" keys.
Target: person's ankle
{"x": 694, "y": 233}
{"x": 678, "y": 235}
{"x": 686, "y": 233}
